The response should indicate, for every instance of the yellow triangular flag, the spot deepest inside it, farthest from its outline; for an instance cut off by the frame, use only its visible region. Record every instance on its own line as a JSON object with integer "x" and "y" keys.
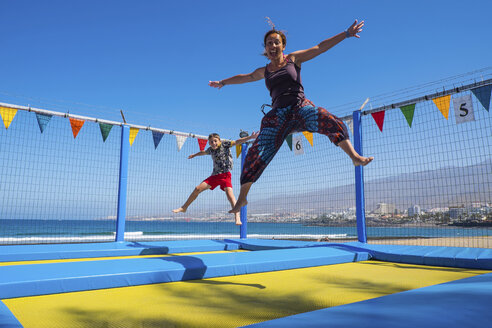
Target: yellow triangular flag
{"x": 309, "y": 136}
{"x": 239, "y": 149}
{"x": 442, "y": 104}
{"x": 7, "y": 115}
{"x": 133, "y": 135}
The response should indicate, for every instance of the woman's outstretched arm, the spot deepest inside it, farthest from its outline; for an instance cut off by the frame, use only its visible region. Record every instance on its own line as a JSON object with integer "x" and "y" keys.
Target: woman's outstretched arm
{"x": 258, "y": 74}
{"x": 302, "y": 56}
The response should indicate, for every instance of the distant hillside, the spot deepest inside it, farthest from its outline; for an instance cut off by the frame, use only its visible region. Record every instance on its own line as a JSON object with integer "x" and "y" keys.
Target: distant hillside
{"x": 448, "y": 186}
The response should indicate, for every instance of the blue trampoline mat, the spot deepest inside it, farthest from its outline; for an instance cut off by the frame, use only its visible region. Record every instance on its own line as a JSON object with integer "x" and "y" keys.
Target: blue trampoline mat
{"x": 462, "y": 303}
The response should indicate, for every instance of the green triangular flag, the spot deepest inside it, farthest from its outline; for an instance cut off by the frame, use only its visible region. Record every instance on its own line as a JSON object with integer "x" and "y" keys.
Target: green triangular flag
{"x": 289, "y": 141}
{"x": 105, "y": 128}
{"x": 408, "y": 112}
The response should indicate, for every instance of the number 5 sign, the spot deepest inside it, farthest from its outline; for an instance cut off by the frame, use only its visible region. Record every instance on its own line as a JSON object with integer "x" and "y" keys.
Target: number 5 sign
{"x": 463, "y": 109}
{"x": 298, "y": 148}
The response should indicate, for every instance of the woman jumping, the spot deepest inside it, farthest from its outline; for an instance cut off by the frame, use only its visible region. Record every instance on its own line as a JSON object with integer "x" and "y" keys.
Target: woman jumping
{"x": 291, "y": 111}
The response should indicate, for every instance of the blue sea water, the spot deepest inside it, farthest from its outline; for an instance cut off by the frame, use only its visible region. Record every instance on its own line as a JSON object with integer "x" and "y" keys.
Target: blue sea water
{"x": 45, "y": 231}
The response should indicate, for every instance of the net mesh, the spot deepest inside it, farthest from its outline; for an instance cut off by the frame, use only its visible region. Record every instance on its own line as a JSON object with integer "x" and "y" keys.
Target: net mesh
{"x": 431, "y": 180}
{"x": 55, "y": 188}
{"x": 430, "y": 184}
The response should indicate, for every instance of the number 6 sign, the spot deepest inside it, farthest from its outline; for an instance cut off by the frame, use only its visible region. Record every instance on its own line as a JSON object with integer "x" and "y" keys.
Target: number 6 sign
{"x": 298, "y": 148}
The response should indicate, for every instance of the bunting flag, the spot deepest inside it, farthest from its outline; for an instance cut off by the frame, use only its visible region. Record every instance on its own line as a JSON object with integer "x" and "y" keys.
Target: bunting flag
{"x": 483, "y": 95}
{"x": 350, "y": 124}
{"x": 463, "y": 109}
{"x": 202, "y": 143}
{"x": 43, "y": 120}
{"x": 309, "y": 137}
{"x": 442, "y": 104}
{"x": 239, "y": 150}
{"x": 157, "y": 136}
{"x": 76, "y": 126}
{"x": 379, "y": 119}
{"x": 298, "y": 147}
{"x": 8, "y": 115}
{"x": 133, "y": 134}
{"x": 408, "y": 112}
{"x": 289, "y": 141}
{"x": 105, "y": 128}
{"x": 180, "y": 140}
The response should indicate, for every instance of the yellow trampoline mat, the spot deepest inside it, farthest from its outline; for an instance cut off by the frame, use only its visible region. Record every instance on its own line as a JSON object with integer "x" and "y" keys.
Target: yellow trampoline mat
{"x": 229, "y": 301}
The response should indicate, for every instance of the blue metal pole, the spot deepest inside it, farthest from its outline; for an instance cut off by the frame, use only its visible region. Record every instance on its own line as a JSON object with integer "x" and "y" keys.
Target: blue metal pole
{"x": 122, "y": 186}
{"x": 359, "y": 180}
{"x": 243, "y": 230}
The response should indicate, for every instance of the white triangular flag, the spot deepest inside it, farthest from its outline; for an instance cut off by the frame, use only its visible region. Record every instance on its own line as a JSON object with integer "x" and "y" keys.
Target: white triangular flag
{"x": 297, "y": 143}
{"x": 180, "y": 140}
{"x": 463, "y": 109}
{"x": 350, "y": 124}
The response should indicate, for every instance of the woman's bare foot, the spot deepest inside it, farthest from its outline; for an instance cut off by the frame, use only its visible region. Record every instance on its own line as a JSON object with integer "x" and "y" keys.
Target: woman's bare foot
{"x": 238, "y": 218}
{"x": 362, "y": 161}
{"x": 237, "y": 207}
{"x": 180, "y": 210}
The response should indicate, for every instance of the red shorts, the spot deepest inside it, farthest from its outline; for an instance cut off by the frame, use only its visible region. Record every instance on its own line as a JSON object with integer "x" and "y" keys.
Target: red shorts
{"x": 223, "y": 180}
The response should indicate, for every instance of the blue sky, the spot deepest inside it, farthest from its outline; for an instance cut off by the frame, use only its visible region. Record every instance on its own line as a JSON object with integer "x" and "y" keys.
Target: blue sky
{"x": 153, "y": 59}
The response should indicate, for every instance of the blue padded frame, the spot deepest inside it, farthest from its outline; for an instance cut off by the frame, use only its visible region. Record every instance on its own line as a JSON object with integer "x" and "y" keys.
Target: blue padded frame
{"x": 7, "y": 318}
{"x": 50, "y": 278}
{"x": 75, "y": 251}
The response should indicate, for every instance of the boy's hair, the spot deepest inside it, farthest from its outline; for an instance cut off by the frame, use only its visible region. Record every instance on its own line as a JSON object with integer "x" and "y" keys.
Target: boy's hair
{"x": 213, "y": 135}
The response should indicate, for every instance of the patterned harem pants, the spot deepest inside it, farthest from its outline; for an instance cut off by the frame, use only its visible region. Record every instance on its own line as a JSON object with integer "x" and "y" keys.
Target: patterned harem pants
{"x": 278, "y": 123}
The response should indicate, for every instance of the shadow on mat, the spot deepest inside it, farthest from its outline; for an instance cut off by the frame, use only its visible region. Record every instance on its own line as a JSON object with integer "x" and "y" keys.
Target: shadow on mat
{"x": 194, "y": 267}
{"x": 217, "y": 282}
{"x": 150, "y": 249}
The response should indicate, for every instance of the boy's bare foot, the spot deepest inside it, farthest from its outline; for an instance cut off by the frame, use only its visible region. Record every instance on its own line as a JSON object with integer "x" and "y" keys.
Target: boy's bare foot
{"x": 238, "y": 218}
{"x": 362, "y": 161}
{"x": 180, "y": 210}
{"x": 237, "y": 207}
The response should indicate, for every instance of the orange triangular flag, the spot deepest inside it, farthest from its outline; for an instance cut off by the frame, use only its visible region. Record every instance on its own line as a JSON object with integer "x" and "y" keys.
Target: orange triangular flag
{"x": 379, "y": 119}
{"x": 239, "y": 149}
{"x": 309, "y": 136}
{"x": 76, "y": 125}
{"x": 7, "y": 115}
{"x": 202, "y": 143}
{"x": 133, "y": 135}
{"x": 442, "y": 104}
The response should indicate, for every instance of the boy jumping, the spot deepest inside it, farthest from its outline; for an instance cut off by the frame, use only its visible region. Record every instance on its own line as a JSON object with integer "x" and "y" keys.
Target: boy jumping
{"x": 221, "y": 175}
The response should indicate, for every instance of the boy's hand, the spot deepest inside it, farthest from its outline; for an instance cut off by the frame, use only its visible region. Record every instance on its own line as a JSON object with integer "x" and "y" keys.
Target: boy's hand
{"x": 254, "y": 135}
{"x": 191, "y": 156}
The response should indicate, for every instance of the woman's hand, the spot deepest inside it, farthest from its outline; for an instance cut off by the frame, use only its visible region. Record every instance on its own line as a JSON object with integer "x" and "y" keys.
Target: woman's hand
{"x": 354, "y": 29}
{"x": 216, "y": 84}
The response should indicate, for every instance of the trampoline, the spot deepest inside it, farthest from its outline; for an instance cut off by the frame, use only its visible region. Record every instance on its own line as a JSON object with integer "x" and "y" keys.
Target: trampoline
{"x": 244, "y": 282}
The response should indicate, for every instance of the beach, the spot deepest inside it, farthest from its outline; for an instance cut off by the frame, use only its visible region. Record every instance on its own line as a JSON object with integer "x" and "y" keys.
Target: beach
{"x": 469, "y": 241}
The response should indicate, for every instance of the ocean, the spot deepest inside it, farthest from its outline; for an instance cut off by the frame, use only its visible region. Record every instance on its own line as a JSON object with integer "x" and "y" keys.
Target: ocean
{"x": 62, "y": 231}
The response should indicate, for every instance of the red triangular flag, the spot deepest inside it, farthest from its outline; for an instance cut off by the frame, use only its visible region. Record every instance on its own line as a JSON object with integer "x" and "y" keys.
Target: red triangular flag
{"x": 379, "y": 119}
{"x": 76, "y": 126}
{"x": 202, "y": 143}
